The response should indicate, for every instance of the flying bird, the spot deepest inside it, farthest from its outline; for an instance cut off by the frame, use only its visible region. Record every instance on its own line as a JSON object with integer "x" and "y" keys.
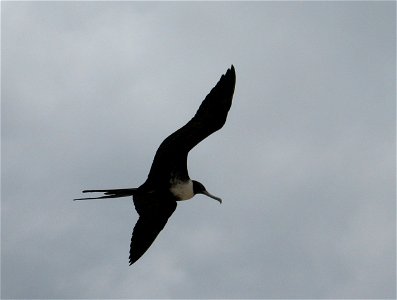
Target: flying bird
{"x": 168, "y": 180}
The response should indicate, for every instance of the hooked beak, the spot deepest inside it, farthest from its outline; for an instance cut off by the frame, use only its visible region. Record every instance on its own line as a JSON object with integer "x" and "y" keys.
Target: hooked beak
{"x": 212, "y": 196}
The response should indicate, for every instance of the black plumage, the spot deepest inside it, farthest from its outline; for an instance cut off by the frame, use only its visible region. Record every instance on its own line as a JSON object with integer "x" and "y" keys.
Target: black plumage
{"x": 168, "y": 180}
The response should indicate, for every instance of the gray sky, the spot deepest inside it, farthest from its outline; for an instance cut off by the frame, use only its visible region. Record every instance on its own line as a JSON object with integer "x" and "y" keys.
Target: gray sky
{"x": 305, "y": 163}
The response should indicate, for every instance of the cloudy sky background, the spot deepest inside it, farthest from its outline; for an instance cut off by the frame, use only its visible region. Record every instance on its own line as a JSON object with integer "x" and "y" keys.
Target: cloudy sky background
{"x": 305, "y": 163}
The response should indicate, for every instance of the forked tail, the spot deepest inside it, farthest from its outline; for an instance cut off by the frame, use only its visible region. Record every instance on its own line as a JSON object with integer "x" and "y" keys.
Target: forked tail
{"x": 115, "y": 193}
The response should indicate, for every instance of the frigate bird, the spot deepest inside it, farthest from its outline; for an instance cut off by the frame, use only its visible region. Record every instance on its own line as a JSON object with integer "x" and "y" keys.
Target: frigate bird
{"x": 168, "y": 180}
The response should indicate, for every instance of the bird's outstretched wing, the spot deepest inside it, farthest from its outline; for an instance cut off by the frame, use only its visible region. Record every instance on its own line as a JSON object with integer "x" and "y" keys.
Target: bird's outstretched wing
{"x": 113, "y": 193}
{"x": 150, "y": 223}
{"x": 171, "y": 156}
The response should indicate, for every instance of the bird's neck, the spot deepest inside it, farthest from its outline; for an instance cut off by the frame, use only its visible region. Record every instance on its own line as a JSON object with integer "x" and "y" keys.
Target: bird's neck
{"x": 182, "y": 190}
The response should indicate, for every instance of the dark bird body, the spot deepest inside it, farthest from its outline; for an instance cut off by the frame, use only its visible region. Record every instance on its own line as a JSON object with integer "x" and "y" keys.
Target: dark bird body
{"x": 168, "y": 180}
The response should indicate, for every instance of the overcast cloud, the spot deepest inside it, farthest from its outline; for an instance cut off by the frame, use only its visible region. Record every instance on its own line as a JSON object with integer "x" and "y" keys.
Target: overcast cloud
{"x": 305, "y": 163}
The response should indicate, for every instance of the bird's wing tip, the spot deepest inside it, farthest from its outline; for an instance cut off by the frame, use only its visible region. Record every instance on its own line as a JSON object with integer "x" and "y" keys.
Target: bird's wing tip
{"x": 232, "y": 70}
{"x": 133, "y": 260}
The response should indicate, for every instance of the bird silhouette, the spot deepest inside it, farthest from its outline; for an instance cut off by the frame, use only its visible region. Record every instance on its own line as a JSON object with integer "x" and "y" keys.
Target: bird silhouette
{"x": 168, "y": 180}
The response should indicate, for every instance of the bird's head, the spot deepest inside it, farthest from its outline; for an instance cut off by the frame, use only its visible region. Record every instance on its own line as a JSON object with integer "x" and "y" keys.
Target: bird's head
{"x": 198, "y": 188}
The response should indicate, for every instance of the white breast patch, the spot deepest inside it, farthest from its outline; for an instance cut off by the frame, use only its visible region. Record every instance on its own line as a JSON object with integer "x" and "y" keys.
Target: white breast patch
{"x": 183, "y": 190}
